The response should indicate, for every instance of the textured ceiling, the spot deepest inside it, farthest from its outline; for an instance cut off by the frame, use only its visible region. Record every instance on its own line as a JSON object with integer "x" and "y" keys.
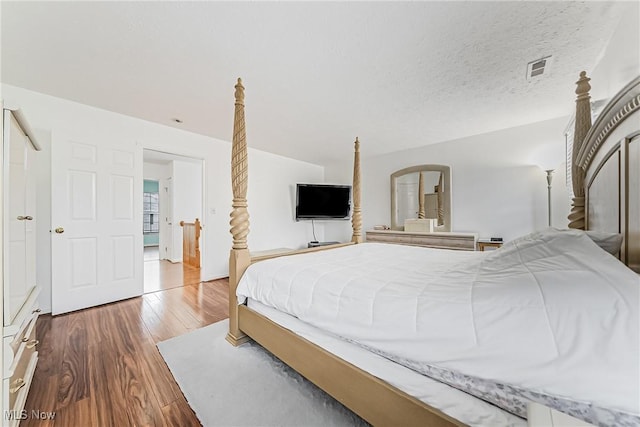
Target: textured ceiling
{"x": 317, "y": 74}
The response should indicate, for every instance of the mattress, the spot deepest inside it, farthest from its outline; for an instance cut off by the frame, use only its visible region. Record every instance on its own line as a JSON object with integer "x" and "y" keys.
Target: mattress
{"x": 453, "y": 402}
{"x": 549, "y": 318}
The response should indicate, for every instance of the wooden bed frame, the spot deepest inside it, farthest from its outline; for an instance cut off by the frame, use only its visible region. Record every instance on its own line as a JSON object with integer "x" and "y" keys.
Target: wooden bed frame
{"x": 605, "y": 155}
{"x": 606, "y": 168}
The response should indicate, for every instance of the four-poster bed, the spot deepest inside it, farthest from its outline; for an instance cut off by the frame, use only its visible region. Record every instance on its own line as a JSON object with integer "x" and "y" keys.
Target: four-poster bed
{"x": 606, "y": 162}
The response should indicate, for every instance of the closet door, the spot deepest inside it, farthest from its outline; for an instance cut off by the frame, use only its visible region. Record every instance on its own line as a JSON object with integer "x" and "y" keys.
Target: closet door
{"x": 19, "y": 254}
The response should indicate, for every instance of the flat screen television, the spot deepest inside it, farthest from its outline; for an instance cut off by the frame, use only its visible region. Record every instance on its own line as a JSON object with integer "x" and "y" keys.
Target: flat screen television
{"x": 322, "y": 201}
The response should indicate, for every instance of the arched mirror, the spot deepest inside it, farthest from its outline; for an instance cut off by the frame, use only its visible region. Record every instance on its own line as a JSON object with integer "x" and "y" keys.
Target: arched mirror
{"x": 421, "y": 192}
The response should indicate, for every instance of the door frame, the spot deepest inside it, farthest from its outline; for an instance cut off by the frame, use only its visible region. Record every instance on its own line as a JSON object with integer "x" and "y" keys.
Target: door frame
{"x": 203, "y": 210}
{"x": 164, "y": 198}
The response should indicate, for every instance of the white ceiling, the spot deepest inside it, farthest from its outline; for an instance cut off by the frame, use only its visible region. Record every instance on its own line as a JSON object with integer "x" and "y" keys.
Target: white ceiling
{"x": 317, "y": 74}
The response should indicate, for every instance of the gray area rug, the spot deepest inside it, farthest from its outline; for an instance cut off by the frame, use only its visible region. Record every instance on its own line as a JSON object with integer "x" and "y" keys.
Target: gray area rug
{"x": 246, "y": 386}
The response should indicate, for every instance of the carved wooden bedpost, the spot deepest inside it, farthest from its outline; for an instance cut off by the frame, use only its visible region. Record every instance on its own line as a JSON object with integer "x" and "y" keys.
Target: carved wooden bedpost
{"x": 239, "y": 258}
{"x": 582, "y": 126}
{"x": 356, "y": 218}
{"x": 440, "y": 200}
{"x": 421, "y": 213}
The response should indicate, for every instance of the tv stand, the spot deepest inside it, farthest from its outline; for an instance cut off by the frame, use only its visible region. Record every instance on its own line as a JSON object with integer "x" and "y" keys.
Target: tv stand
{"x": 315, "y": 244}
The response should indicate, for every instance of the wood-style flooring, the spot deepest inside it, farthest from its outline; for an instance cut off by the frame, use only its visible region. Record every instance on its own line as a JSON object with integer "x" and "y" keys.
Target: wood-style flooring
{"x": 162, "y": 274}
{"x": 101, "y": 367}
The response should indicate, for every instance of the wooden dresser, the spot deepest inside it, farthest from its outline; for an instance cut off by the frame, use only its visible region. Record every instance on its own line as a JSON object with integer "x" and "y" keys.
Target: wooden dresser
{"x": 440, "y": 240}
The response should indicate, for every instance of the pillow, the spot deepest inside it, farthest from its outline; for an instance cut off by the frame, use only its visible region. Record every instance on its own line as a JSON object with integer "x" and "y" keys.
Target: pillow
{"x": 610, "y": 242}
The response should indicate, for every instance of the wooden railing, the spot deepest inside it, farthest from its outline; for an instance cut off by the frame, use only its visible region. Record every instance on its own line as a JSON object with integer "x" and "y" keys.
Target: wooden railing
{"x": 191, "y": 243}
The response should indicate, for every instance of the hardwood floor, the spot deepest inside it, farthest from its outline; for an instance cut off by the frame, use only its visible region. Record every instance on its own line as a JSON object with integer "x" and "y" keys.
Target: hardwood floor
{"x": 162, "y": 274}
{"x": 100, "y": 366}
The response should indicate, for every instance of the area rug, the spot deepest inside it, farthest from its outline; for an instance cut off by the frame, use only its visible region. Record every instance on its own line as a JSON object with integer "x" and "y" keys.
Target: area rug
{"x": 246, "y": 386}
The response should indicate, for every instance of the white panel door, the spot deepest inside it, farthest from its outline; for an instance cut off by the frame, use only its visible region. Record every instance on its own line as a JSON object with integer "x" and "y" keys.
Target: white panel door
{"x": 96, "y": 209}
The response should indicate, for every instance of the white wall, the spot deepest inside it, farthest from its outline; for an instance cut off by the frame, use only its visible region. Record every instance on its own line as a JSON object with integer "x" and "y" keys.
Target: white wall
{"x": 619, "y": 63}
{"x": 187, "y": 201}
{"x": 271, "y": 177}
{"x": 156, "y": 171}
{"x": 279, "y": 194}
{"x": 496, "y": 191}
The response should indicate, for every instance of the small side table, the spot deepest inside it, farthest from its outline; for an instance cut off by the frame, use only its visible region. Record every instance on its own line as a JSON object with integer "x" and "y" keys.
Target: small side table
{"x": 487, "y": 243}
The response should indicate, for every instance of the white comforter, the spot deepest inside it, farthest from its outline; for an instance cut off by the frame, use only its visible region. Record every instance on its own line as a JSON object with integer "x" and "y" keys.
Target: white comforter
{"x": 551, "y": 312}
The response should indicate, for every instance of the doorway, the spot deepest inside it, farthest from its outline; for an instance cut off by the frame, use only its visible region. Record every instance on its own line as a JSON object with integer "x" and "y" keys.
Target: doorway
{"x": 175, "y": 195}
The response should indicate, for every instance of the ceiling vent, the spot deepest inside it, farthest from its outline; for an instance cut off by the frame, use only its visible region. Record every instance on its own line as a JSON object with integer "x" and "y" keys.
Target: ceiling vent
{"x": 538, "y": 68}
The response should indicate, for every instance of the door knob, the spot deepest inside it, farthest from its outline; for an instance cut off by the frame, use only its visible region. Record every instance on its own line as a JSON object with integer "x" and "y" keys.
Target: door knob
{"x": 59, "y": 230}
{"x": 28, "y": 218}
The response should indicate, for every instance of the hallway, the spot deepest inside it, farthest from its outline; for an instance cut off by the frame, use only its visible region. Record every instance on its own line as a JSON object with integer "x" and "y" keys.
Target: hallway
{"x": 161, "y": 274}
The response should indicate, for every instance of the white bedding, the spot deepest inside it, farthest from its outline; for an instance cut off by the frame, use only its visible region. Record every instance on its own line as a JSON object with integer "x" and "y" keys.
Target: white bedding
{"x": 550, "y": 313}
{"x": 455, "y": 403}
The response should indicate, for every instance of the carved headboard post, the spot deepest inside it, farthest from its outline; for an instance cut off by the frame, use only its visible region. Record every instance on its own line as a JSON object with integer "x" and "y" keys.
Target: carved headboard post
{"x": 239, "y": 258}
{"x": 582, "y": 126}
{"x": 440, "y": 192}
{"x": 421, "y": 213}
{"x": 356, "y": 218}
